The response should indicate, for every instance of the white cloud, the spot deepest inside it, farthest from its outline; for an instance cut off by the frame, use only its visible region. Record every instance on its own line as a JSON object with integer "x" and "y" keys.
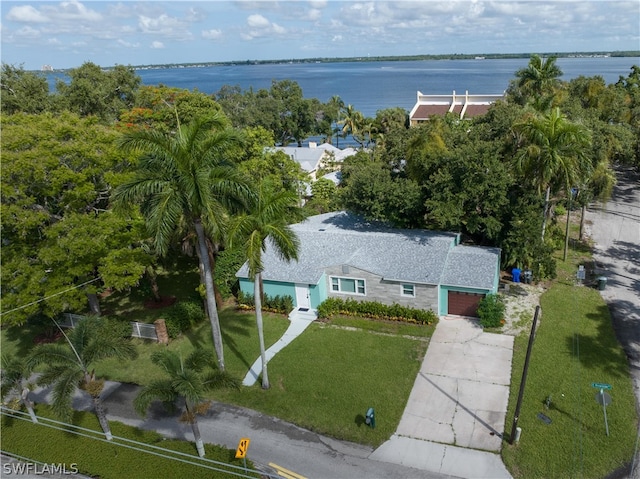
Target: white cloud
{"x": 164, "y": 25}
{"x": 157, "y": 45}
{"x": 76, "y": 11}
{"x": 26, "y": 14}
{"x": 28, "y": 32}
{"x": 212, "y": 34}
{"x": 257, "y": 21}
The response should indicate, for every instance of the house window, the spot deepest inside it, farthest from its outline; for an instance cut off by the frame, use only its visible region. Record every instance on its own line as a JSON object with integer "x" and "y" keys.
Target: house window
{"x": 348, "y": 285}
{"x": 409, "y": 290}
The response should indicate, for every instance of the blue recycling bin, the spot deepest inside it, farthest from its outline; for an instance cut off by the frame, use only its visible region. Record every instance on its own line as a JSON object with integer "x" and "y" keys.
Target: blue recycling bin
{"x": 515, "y": 272}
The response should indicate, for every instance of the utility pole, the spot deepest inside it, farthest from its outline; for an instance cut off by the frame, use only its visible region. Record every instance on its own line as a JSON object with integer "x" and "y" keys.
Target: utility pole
{"x": 516, "y": 415}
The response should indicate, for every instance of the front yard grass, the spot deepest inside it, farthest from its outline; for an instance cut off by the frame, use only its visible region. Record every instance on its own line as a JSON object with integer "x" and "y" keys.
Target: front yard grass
{"x": 574, "y": 346}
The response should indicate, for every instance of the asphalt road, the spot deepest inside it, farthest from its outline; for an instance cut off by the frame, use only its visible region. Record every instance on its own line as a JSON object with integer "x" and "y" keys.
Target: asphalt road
{"x": 615, "y": 229}
{"x": 272, "y": 440}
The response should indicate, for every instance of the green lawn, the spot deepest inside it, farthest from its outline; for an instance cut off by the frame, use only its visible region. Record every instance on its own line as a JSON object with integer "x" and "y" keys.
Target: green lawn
{"x": 112, "y": 460}
{"x": 574, "y": 347}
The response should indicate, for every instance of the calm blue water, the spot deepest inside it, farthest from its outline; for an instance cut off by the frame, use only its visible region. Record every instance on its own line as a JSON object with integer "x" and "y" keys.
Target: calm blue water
{"x": 372, "y": 86}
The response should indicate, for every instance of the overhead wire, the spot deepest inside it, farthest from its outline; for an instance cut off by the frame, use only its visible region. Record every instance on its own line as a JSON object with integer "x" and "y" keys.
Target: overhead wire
{"x": 135, "y": 445}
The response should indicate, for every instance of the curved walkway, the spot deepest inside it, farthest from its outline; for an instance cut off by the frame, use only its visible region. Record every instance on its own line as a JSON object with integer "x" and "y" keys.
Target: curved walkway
{"x": 297, "y": 326}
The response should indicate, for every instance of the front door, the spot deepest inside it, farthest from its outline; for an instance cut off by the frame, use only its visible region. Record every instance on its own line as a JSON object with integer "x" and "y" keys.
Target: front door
{"x": 302, "y": 296}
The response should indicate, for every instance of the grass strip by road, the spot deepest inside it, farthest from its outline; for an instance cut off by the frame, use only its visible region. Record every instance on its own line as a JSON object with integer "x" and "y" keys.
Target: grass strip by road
{"x": 574, "y": 347}
{"x": 110, "y": 460}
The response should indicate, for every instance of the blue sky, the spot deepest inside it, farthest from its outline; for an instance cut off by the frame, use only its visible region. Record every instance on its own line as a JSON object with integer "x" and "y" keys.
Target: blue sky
{"x": 67, "y": 33}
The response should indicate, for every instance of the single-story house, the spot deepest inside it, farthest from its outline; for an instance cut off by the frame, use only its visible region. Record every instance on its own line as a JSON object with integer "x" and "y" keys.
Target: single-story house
{"x": 342, "y": 255}
{"x": 464, "y": 106}
{"x": 315, "y": 157}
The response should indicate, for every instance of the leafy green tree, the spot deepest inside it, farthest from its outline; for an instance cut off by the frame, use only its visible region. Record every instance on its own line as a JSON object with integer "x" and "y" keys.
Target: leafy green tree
{"x": 92, "y": 91}
{"x": 187, "y": 380}
{"x": 267, "y": 218}
{"x": 552, "y": 154}
{"x": 372, "y": 189}
{"x": 57, "y": 172}
{"x": 184, "y": 186}
{"x": 70, "y": 365}
{"x": 15, "y": 384}
{"x": 22, "y": 91}
{"x": 324, "y": 196}
{"x": 258, "y": 161}
{"x": 160, "y": 107}
{"x": 466, "y": 191}
{"x": 352, "y": 122}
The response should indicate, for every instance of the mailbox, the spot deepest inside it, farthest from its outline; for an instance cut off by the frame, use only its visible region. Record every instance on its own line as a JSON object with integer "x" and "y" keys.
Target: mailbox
{"x": 370, "y": 418}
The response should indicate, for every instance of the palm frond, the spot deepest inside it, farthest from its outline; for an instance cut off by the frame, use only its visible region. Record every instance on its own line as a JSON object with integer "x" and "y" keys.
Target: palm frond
{"x": 160, "y": 390}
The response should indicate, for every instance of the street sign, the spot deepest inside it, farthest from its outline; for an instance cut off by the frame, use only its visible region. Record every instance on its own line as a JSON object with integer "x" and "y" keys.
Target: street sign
{"x": 601, "y": 385}
{"x": 243, "y": 445}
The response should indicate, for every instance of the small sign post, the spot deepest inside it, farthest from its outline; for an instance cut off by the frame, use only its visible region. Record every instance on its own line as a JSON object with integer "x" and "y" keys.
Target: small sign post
{"x": 241, "y": 452}
{"x": 604, "y": 399}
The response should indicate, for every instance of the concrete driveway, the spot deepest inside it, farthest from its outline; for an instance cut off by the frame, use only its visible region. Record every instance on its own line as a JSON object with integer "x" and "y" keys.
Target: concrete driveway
{"x": 456, "y": 410}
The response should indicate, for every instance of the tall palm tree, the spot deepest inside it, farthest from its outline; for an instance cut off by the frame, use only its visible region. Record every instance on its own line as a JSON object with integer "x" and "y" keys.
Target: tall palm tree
{"x": 268, "y": 217}
{"x": 182, "y": 181}
{"x": 539, "y": 81}
{"x": 187, "y": 381}
{"x": 351, "y": 121}
{"x": 552, "y": 154}
{"x": 70, "y": 365}
{"x": 15, "y": 384}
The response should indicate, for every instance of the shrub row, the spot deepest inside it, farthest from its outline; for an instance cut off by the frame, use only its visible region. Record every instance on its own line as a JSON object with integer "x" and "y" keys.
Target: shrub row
{"x": 274, "y": 304}
{"x": 376, "y": 310}
{"x": 182, "y": 316}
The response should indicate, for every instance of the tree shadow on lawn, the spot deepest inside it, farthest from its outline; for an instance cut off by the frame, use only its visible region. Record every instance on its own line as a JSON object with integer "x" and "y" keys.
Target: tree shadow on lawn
{"x": 600, "y": 351}
{"x": 236, "y": 325}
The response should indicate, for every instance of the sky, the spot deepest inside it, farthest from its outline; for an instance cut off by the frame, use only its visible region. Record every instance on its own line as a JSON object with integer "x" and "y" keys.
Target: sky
{"x": 66, "y": 34}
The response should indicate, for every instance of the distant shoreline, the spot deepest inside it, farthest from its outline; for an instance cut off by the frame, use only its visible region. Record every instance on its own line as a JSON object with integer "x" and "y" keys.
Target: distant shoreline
{"x": 456, "y": 56}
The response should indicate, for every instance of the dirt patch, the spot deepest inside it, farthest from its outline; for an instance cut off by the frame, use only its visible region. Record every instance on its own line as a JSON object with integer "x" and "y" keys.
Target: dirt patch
{"x": 520, "y": 300}
{"x": 165, "y": 301}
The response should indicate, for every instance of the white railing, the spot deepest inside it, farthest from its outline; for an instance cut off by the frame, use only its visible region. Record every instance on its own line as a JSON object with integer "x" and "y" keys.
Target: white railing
{"x": 138, "y": 330}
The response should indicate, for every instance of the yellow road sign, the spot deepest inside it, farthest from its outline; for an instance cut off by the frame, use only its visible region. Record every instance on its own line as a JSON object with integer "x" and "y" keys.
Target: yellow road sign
{"x": 243, "y": 445}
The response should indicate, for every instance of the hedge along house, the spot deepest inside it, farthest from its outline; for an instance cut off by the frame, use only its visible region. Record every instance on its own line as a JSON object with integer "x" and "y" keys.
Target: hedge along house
{"x": 342, "y": 255}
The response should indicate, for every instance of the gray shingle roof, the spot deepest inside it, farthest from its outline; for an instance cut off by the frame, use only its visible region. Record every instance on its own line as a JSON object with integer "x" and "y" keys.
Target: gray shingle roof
{"x": 417, "y": 256}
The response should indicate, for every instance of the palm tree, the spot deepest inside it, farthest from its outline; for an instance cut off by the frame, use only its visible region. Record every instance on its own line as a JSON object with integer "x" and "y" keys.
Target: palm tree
{"x": 539, "y": 81}
{"x": 552, "y": 154}
{"x": 187, "y": 381}
{"x": 184, "y": 186}
{"x": 351, "y": 121}
{"x": 69, "y": 366}
{"x": 267, "y": 218}
{"x": 15, "y": 374}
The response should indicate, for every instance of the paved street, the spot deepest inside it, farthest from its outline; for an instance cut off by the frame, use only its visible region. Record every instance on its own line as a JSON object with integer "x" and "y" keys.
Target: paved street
{"x": 615, "y": 229}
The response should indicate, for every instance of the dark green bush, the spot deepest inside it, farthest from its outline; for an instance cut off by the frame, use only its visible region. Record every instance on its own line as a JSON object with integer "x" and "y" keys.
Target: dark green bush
{"x": 491, "y": 311}
{"x": 182, "y": 316}
{"x": 374, "y": 309}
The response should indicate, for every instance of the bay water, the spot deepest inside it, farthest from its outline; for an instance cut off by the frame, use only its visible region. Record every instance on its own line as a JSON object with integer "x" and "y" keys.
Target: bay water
{"x": 374, "y": 85}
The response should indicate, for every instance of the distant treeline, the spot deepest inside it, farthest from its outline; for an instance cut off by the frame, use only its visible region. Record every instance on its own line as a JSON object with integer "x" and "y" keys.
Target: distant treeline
{"x": 449, "y": 56}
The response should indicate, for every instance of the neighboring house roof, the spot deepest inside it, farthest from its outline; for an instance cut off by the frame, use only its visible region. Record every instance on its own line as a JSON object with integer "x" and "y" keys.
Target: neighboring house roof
{"x": 311, "y": 157}
{"x": 463, "y": 106}
{"x": 416, "y": 256}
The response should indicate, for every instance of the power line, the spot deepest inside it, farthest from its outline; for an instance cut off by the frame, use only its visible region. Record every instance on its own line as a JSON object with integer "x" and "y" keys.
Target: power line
{"x": 48, "y": 297}
{"x": 135, "y": 445}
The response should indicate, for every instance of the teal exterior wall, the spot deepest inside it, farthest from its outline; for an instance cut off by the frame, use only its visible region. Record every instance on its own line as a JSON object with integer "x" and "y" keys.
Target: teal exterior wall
{"x": 318, "y": 292}
{"x": 443, "y": 295}
{"x": 271, "y": 288}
